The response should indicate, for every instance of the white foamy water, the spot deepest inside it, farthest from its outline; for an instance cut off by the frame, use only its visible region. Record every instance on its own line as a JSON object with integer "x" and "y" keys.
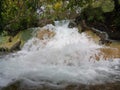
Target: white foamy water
{"x": 68, "y": 57}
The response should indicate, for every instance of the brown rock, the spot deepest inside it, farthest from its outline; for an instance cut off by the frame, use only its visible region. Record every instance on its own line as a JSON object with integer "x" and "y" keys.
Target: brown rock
{"x": 45, "y": 34}
{"x": 110, "y": 52}
{"x": 107, "y": 53}
{"x": 9, "y": 47}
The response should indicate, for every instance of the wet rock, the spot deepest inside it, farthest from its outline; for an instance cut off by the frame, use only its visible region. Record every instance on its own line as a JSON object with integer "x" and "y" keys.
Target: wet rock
{"x": 2, "y": 49}
{"x": 15, "y": 46}
{"x": 105, "y": 42}
{"x": 106, "y": 86}
{"x": 45, "y": 21}
{"x": 72, "y": 24}
{"x": 104, "y": 38}
{"x": 10, "y": 39}
{"x": 13, "y": 86}
{"x": 9, "y": 43}
{"x": 45, "y": 34}
{"x": 81, "y": 26}
{"x": 108, "y": 26}
{"x": 9, "y": 47}
{"x": 108, "y": 53}
{"x": 113, "y": 33}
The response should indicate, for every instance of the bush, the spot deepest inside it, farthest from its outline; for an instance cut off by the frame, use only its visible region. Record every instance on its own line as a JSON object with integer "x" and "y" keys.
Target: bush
{"x": 92, "y": 14}
{"x": 18, "y": 15}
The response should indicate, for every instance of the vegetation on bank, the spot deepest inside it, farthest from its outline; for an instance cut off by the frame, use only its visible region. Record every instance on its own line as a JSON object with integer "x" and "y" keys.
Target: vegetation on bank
{"x": 105, "y": 17}
{"x": 17, "y": 15}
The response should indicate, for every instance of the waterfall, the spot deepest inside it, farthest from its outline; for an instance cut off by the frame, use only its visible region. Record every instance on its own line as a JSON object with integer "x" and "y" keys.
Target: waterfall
{"x": 68, "y": 57}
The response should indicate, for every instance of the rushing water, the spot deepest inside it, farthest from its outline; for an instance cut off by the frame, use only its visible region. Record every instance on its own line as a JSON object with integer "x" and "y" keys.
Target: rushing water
{"x": 68, "y": 57}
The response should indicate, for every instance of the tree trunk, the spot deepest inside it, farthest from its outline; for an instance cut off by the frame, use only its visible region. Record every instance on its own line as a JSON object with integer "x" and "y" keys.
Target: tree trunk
{"x": 117, "y": 5}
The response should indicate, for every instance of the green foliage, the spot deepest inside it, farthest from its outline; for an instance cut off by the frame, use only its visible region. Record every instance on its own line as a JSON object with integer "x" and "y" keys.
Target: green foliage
{"x": 116, "y": 21}
{"x": 1, "y": 27}
{"x": 80, "y": 3}
{"x": 107, "y": 5}
{"x": 18, "y": 15}
{"x": 92, "y": 14}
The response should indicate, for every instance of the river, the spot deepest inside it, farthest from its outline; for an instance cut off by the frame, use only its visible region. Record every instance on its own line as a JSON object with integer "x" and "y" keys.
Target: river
{"x": 68, "y": 58}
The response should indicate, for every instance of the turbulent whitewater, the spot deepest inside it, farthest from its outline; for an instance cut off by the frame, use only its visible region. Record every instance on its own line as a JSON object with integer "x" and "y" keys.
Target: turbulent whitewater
{"x": 68, "y": 57}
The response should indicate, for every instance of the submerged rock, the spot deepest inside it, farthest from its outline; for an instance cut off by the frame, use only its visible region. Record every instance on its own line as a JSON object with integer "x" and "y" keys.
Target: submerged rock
{"x": 110, "y": 49}
{"x": 108, "y": 53}
{"x": 45, "y": 34}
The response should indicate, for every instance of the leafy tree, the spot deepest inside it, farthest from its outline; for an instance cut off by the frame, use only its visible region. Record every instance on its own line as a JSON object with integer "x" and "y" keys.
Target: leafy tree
{"x": 18, "y": 15}
{"x": 1, "y": 21}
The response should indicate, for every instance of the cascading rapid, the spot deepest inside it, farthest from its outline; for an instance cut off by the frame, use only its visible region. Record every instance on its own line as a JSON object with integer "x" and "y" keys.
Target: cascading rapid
{"x": 67, "y": 57}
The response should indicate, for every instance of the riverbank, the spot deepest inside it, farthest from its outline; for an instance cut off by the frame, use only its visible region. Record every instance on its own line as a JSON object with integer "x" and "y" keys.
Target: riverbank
{"x": 45, "y": 86}
{"x": 9, "y": 44}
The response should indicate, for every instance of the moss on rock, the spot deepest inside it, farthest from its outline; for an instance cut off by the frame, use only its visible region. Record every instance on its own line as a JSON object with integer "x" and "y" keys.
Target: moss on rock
{"x": 9, "y": 44}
